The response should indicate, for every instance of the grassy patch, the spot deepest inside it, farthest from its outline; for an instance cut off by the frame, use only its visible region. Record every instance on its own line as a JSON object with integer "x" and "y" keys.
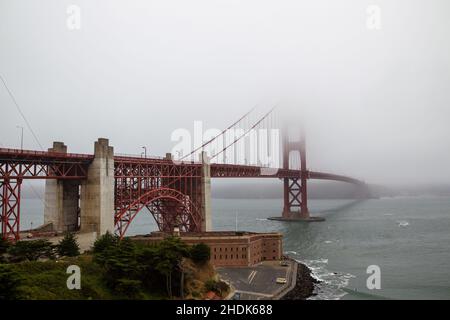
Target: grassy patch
{"x": 46, "y": 280}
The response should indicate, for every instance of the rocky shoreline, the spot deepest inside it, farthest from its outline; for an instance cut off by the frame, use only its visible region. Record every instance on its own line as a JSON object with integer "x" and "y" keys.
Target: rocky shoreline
{"x": 304, "y": 287}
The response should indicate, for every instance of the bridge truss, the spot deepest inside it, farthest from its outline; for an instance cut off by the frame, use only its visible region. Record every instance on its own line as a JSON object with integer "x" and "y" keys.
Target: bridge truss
{"x": 169, "y": 189}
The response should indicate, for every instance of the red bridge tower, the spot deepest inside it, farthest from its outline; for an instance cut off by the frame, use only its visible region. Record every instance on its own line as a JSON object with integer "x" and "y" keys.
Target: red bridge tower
{"x": 295, "y": 191}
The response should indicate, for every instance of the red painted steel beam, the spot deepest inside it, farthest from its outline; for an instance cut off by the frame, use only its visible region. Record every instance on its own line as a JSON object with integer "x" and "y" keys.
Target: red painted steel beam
{"x": 42, "y": 170}
{"x": 242, "y": 171}
{"x": 29, "y": 164}
{"x": 10, "y": 209}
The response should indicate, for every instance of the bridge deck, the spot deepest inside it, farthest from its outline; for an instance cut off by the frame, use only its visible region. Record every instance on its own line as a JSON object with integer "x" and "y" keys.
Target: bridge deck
{"x": 30, "y": 164}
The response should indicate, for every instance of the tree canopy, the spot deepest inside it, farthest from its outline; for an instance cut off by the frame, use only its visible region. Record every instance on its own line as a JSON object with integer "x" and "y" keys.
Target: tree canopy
{"x": 68, "y": 246}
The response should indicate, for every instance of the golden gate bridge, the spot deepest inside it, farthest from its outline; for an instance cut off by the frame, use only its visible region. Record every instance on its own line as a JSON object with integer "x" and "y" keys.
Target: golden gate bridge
{"x": 105, "y": 191}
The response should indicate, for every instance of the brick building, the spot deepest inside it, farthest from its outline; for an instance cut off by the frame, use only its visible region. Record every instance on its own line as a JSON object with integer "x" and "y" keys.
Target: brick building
{"x": 230, "y": 248}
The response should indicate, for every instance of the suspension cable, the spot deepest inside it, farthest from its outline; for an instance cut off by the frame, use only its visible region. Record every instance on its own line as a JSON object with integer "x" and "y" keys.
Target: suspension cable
{"x": 20, "y": 112}
{"x": 214, "y": 138}
{"x": 245, "y": 133}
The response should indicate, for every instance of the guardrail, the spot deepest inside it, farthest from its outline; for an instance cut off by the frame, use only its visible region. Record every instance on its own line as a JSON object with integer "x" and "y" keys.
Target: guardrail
{"x": 21, "y": 152}
{"x": 137, "y": 156}
{"x": 150, "y": 158}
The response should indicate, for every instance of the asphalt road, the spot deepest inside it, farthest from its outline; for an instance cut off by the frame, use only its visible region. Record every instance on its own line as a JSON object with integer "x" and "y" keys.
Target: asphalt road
{"x": 256, "y": 282}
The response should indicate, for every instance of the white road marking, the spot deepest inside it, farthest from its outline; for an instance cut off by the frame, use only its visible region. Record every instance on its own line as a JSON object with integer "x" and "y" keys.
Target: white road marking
{"x": 252, "y": 276}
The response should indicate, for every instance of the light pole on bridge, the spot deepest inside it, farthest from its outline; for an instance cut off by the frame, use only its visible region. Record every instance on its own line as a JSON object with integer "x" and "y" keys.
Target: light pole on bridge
{"x": 21, "y": 136}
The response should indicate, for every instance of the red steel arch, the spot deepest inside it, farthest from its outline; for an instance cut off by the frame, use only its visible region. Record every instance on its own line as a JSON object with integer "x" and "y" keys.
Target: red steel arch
{"x": 162, "y": 204}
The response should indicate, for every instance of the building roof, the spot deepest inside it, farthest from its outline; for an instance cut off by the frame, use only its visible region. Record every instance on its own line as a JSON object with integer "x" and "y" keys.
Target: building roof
{"x": 211, "y": 234}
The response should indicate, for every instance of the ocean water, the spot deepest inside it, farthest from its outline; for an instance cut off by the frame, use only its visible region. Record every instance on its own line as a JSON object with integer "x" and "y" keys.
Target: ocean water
{"x": 407, "y": 237}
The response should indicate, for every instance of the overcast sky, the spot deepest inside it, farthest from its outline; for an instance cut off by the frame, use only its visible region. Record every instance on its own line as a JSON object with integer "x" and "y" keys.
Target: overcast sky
{"x": 376, "y": 103}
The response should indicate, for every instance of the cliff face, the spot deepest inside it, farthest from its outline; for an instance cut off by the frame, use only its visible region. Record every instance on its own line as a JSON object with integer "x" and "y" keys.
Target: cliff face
{"x": 200, "y": 279}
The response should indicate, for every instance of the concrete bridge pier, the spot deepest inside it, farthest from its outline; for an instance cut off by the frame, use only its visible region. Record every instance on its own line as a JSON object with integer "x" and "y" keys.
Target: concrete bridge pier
{"x": 97, "y": 191}
{"x": 205, "y": 193}
{"x": 61, "y": 200}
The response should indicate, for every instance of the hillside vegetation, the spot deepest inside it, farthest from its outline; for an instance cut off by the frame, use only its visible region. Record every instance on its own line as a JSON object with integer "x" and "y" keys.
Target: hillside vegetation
{"x": 112, "y": 270}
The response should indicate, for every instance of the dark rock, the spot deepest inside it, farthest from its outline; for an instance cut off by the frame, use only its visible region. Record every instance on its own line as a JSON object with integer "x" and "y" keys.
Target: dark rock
{"x": 304, "y": 287}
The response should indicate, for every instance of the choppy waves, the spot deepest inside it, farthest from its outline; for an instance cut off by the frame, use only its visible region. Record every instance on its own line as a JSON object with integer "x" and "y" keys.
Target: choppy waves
{"x": 331, "y": 285}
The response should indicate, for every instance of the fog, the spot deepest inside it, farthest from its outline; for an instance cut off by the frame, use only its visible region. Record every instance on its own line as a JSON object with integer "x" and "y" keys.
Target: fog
{"x": 375, "y": 103}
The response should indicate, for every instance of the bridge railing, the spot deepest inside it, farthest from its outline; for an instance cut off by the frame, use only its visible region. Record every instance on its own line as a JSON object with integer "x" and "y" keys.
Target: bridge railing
{"x": 137, "y": 156}
{"x": 34, "y": 153}
{"x": 152, "y": 158}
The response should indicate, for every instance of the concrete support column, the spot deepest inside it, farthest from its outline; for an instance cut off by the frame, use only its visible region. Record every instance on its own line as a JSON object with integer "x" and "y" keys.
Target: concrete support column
{"x": 206, "y": 193}
{"x": 71, "y": 204}
{"x": 61, "y": 200}
{"x": 97, "y": 191}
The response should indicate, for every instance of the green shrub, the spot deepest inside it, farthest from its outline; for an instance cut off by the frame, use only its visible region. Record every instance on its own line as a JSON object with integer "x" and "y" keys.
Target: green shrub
{"x": 9, "y": 283}
{"x": 200, "y": 253}
{"x": 31, "y": 250}
{"x": 4, "y": 245}
{"x": 118, "y": 259}
{"x": 106, "y": 241}
{"x": 68, "y": 246}
{"x": 131, "y": 289}
{"x": 160, "y": 265}
{"x": 156, "y": 269}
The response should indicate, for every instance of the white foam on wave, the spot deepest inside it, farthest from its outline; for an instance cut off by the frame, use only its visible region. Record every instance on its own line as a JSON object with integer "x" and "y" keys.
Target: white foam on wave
{"x": 331, "y": 284}
{"x": 258, "y": 219}
{"x": 403, "y": 223}
{"x": 328, "y": 241}
{"x": 324, "y": 261}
